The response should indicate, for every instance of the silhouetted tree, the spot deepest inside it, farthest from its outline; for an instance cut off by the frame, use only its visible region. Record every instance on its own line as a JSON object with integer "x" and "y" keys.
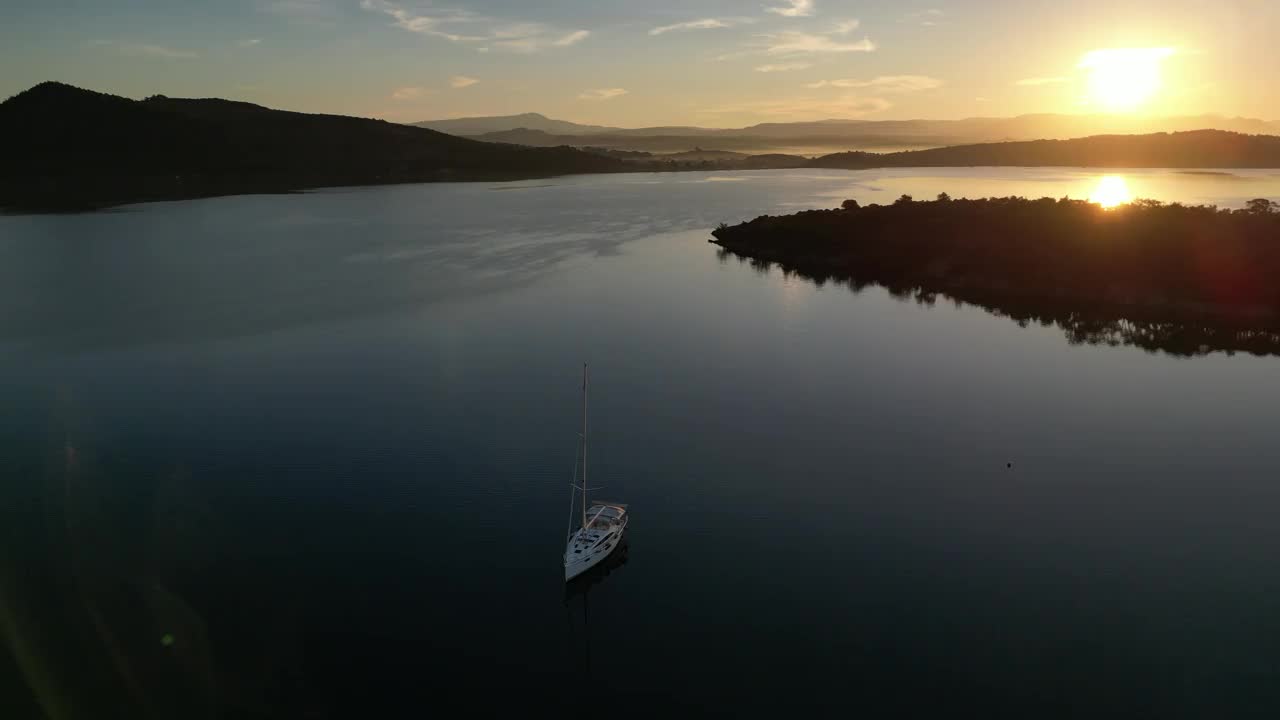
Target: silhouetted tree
{"x": 1261, "y": 206}
{"x": 849, "y": 205}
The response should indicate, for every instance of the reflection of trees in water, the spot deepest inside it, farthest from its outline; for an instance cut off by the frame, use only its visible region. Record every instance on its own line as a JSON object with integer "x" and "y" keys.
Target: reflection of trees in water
{"x": 1151, "y": 329}
{"x": 1180, "y": 338}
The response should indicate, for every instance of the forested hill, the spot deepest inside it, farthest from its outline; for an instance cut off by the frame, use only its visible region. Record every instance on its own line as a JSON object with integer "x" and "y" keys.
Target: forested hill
{"x": 1194, "y": 149}
{"x": 1184, "y": 279}
{"x": 64, "y": 146}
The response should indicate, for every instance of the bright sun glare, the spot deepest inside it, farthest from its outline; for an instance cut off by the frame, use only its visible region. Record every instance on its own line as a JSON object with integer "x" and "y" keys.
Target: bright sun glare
{"x": 1121, "y": 79}
{"x": 1112, "y": 191}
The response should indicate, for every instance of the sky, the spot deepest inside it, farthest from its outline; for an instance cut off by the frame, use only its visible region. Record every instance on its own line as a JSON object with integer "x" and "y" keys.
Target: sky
{"x": 718, "y": 63}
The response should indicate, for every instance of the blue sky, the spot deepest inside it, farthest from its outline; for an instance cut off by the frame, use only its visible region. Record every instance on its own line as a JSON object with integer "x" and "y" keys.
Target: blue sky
{"x": 705, "y": 62}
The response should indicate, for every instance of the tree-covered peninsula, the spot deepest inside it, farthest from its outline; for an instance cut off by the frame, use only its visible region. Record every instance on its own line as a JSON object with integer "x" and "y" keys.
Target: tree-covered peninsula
{"x": 1185, "y": 279}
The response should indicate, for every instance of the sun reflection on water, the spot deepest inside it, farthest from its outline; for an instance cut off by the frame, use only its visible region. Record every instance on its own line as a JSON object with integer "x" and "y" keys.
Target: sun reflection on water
{"x": 1111, "y": 191}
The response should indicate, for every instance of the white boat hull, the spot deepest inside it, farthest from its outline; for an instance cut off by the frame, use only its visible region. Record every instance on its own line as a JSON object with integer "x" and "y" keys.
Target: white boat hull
{"x": 587, "y": 560}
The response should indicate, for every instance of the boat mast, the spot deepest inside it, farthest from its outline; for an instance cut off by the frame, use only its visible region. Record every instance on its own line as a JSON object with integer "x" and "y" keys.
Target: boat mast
{"x": 573, "y": 486}
{"x": 584, "y": 445}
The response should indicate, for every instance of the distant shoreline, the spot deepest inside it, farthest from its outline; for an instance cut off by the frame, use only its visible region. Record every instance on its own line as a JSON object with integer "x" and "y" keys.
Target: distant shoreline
{"x": 79, "y": 197}
{"x": 76, "y": 196}
{"x": 67, "y": 149}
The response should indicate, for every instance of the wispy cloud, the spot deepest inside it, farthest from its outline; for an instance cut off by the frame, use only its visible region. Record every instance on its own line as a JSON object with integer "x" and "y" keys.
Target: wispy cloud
{"x": 602, "y": 94}
{"x": 409, "y": 93}
{"x": 521, "y": 37}
{"x": 703, "y": 24}
{"x": 783, "y": 67}
{"x": 424, "y": 24}
{"x": 462, "y": 81}
{"x": 1035, "y": 81}
{"x": 846, "y": 27}
{"x": 884, "y": 83}
{"x": 793, "y": 8}
{"x": 805, "y": 108}
{"x": 794, "y": 43}
{"x": 791, "y": 42}
{"x": 250, "y": 42}
{"x": 154, "y": 52}
{"x": 572, "y": 38}
{"x": 532, "y": 37}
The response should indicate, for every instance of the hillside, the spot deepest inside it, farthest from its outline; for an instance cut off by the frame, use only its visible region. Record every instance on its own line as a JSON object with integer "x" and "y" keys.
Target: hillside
{"x": 1194, "y": 149}
{"x": 67, "y": 147}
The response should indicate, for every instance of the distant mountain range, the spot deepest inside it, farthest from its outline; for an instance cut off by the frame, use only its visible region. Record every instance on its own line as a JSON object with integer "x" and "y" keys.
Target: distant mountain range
{"x": 64, "y": 146}
{"x": 831, "y": 135}
{"x": 499, "y": 123}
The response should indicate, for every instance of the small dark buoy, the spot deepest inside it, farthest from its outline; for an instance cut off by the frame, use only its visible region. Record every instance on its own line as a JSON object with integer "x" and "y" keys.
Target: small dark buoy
{"x": 1009, "y": 465}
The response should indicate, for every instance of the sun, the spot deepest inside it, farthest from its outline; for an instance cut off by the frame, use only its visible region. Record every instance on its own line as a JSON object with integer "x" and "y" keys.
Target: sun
{"x": 1123, "y": 79}
{"x": 1112, "y": 191}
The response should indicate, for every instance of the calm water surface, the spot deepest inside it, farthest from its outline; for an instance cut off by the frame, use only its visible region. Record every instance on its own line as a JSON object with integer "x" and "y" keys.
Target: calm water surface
{"x": 310, "y": 454}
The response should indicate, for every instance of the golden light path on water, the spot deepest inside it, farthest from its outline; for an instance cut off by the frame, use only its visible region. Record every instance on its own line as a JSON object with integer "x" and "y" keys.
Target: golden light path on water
{"x": 1111, "y": 191}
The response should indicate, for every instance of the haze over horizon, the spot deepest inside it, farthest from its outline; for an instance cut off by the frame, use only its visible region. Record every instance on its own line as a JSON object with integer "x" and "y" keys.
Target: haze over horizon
{"x": 711, "y": 63}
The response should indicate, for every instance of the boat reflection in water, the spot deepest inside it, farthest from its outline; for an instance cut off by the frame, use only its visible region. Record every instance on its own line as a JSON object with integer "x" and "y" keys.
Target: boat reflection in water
{"x": 581, "y": 587}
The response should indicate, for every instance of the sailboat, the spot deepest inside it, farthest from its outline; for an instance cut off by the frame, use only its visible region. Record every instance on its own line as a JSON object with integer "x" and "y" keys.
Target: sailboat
{"x": 602, "y": 523}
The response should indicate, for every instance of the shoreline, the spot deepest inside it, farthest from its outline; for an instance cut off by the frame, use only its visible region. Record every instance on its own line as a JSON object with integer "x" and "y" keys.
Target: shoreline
{"x": 148, "y": 190}
{"x": 75, "y": 199}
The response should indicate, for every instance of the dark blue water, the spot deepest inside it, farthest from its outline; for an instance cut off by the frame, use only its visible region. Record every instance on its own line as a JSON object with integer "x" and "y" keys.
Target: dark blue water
{"x": 309, "y": 455}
